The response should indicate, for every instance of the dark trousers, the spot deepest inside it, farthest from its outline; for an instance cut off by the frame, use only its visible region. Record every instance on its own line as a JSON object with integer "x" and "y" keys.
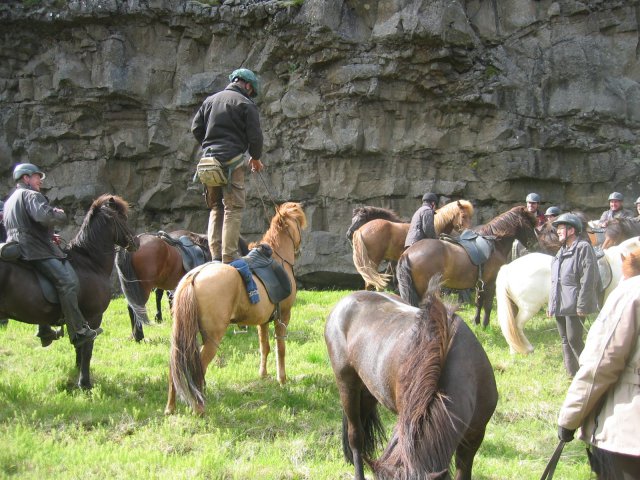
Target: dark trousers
{"x": 64, "y": 278}
{"x": 613, "y": 466}
{"x": 570, "y": 329}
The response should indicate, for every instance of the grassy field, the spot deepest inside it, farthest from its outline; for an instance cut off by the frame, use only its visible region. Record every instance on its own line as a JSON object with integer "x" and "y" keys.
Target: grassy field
{"x": 252, "y": 428}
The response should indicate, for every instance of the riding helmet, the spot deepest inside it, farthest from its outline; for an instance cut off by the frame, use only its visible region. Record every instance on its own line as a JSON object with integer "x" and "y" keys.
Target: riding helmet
{"x": 616, "y": 196}
{"x": 26, "y": 169}
{"x": 430, "y": 198}
{"x": 533, "y": 198}
{"x": 569, "y": 219}
{"x": 637, "y": 201}
{"x": 555, "y": 211}
{"x": 248, "y": 76}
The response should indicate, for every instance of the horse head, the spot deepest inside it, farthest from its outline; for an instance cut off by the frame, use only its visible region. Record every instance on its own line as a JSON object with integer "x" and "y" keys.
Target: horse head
{"x": 362, "y": 215}
{"x": 116, "y": 211}
{"x": 464, "y": 217}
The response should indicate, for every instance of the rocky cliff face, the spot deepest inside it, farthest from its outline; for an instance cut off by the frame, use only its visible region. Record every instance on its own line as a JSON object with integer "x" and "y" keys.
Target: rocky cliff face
{"x": 366, "y": 102}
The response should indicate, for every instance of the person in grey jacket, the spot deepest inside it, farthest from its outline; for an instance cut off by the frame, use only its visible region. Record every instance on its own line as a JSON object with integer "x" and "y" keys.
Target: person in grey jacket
{"x": 422, "y": 223}
{"x": 575, "y": 284}
{"x": 29, "y": 220}
{"x": 616, "y": 210}
{"x": 227, "y": 125}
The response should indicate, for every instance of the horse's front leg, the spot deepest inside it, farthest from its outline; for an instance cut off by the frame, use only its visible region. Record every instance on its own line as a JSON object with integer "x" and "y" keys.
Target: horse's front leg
{"x": 488, "y": 295}
{"x": 159, "y": 293}
{"x": 83, "y": 363}
{"x": 479, "y": 301}
{"x": 280, "y": 328}
{"x": 263, "y": 336}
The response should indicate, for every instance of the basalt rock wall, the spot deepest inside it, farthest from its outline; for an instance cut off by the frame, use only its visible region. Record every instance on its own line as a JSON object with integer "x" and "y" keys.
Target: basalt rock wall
{"x": 364, "y": 102}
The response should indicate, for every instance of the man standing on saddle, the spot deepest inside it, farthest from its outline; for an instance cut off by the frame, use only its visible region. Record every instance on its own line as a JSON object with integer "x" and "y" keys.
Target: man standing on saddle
{"x": 533, "y": 202}
{"x": 422, "y": 222}
{"x": 227, "y": 125}
{"x": 616, "y": 210}
{"x": 29, "y": 220}
{"x": 575, "y": 282}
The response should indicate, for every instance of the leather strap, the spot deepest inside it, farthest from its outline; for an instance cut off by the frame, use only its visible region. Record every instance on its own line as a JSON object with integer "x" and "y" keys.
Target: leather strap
{"x": 553, "y": 462}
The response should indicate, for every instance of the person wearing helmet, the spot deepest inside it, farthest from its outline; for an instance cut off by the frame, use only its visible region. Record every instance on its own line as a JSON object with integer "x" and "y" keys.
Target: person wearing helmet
{"x": 637, "y": 204}
{"x": 575, "y": 285}
{"x": 533, "y": 202}
{"x": 29, "y": 220}
{"x": 227, "y": 125}
{"x": 552, "y": 213}
{"x": 422, "y": 225}
{"x": 616, "y": 210}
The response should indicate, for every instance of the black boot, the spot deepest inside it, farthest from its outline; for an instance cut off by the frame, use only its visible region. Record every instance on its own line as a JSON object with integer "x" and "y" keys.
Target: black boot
{"x": 47, "y": 335}
{"x": 85, "y": 335}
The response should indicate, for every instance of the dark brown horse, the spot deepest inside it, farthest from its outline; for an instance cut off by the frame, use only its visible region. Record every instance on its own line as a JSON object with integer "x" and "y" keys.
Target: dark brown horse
{"x": 91, "y": 253}
{"x": 426, "y": 366}
{"x": 620, "y": 229}
{"x": 158, "y": 265}
{"x": 362, "y": 215}
{"x": 428, "y": 257}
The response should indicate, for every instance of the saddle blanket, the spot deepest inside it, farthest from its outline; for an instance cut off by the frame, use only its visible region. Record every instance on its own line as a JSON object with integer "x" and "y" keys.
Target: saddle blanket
{"x": 272, "y": 275}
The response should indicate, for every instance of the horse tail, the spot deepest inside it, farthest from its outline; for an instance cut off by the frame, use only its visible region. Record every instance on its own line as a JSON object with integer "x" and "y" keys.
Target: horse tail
{"x": 405, "y": 281}
{"x": 507, "y": 313}
{"x": 132, "y": 287}
{"x": 365, "y": 266}
{"x": 425, "y": 435}
{"x": 186, "y": 370}
{"x": 373, "y": 431}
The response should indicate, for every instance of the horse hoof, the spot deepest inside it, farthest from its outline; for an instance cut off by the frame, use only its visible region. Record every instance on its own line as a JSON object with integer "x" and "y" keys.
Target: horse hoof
{"x": 169, "y": 411}
{"x": 86, "y": 386}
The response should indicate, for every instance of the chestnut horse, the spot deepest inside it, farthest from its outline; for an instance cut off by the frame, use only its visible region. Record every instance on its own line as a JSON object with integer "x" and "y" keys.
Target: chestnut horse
{"x": 91, "y": 253}
{"x": 429, "y": 257}
{"x": 380, "y": 239}
{"x": 426, "y": 366}
{"x": 156, "y": 264}
{"x": 212, "y": 296}
{"x": 620, "y": 229}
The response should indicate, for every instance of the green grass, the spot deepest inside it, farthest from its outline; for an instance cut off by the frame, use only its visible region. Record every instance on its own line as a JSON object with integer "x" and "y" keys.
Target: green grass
{"x": 252, "y": 428}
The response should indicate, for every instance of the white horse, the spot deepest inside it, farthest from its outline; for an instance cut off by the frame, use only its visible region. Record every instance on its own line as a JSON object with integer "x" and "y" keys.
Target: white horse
{"x": 522, "y": 289}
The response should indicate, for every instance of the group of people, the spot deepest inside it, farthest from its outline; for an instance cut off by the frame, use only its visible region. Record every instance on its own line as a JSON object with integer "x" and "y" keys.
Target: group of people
{"x": 227, "y": 126}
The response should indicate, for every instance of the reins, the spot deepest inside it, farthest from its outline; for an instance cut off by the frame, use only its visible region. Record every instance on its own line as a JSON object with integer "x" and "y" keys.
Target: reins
{"x": 553, "y": 462}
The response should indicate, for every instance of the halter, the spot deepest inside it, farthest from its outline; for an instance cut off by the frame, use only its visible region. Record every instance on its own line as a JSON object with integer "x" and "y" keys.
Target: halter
{"x": 121, "y": 227}
{"x": 296, "y": 248}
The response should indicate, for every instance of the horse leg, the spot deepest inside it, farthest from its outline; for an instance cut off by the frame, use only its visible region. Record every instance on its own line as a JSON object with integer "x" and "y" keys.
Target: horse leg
{"x": 479, "y": 301}
{"x": 466, "y": 452}
{"x": 83, "y": 361}
{"x": 136, "y": 329}
{"x": 171, "y": 397}
{"x": 353, "y": 433}
{"x": 487, "y": 303}
{"x": 159, "y": 293}
{"x": 207, "y": 352}
{"x": 265, "y": 348}
{"x": 280, "y": 327}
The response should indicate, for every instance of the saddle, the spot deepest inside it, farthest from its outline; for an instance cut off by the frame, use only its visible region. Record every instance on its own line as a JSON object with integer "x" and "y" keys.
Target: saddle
{"x": 193, "y": 255}
{"x": 478, "y": 247}
{"x": 272, "y": 274}
{"x": 49, "y": 291}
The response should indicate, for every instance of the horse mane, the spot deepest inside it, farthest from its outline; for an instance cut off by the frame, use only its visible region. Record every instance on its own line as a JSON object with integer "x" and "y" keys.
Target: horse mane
{"x": 506, "y": 223}
{"x": 286, "y": 211}
{"x": 100, "y": 212}
{"x": 631, "y": 264}
{"x": 629, "y": 226}
{"x": 368, "y": 213}
{"x": 424, "y": 433}
{"x": 450, "y": 211}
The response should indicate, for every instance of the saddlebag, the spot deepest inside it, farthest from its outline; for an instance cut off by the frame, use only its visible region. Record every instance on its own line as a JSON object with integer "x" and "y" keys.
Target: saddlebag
{"x": 9, "y": 251}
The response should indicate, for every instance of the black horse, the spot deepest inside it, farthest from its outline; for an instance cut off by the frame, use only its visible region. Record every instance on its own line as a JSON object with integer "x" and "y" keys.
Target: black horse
{"x": 92, "y": 254}
{"x": 423, "y": 364}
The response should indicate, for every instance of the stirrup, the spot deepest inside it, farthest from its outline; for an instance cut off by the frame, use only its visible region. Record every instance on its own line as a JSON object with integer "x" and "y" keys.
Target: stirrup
{"x": 241, "y": 329}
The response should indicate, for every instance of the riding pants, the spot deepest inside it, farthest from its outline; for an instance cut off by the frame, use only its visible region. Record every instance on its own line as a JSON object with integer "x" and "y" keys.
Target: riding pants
{"x": 227, "y": 204}
{"x": 64, "y": 278}
{"x": 570, "y": 329}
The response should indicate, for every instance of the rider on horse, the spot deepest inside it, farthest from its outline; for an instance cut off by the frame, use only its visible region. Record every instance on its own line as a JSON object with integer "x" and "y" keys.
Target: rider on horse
{"x": 422, "y": 222}
{"x": 29, "y": 220}
{"x": 616, "y": 210}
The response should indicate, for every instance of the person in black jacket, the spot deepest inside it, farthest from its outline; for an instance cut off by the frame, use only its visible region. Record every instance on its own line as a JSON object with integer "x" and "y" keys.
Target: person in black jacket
{"x": 227, "y": 125}
{"x": 422, "y": 222}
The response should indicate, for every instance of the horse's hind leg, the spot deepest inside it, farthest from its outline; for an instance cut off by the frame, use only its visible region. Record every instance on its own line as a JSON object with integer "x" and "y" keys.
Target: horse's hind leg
{"x": 159, "y": 293}
{"x": 136, "y": 328}
{"x": 265, "y": 348}
{"x": 466, "y": 452}
{"x": 280, "y": 328}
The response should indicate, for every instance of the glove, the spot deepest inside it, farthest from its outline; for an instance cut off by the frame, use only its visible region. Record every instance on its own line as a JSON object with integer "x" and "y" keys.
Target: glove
{"x": 565, "y": 434}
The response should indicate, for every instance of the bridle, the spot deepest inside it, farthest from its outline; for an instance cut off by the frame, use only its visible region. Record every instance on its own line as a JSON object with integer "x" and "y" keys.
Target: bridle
{"x": 296, "y": 246}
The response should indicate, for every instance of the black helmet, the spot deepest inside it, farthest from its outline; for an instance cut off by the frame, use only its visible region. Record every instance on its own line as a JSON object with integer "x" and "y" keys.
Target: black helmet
{"x": 555, "y": 211}
{"x": 569, "y": 219}
{"x": 533, "y": 197}
{"x": 26, "y": 169}
{"x": 430, "y": 198}
{"x": 616, "y": 196}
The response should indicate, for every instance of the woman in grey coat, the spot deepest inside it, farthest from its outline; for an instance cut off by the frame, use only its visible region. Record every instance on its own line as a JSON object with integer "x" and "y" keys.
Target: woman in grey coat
{"x": 575, "y": 284}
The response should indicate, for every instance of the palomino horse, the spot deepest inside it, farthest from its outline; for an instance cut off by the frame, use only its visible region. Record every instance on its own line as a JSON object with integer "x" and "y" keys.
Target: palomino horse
{"x": 156, "y": 264}
{"x": 210, "y": 297}
{"x": 426, "y": 366}
{"x": 91, "y": 253}
{"x": 379, "y": 240}
{"x": 620, "y": 229}
{"x": 522, "y": 289}
{"x": 429, "y": 257}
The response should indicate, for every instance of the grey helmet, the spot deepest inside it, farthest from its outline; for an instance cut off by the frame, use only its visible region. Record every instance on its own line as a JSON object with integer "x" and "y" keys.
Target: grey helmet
{"x": 26, "y": 169}
{"x": 249, "y": 77}
{"x": 616, "y": 196}
{"x": 533, "y": 197}
{"x": 555, "y": 211}
{"x": 430, "y": 198}
{"x": 637, "y": 201}
{"x": 569, "y": 219}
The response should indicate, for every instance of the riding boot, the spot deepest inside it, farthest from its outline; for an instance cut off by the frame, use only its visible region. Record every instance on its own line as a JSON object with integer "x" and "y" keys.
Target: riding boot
{"x": 47, "y": 335}
{"x": 570, "y": 360}
{"x": 231, "y": 234}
